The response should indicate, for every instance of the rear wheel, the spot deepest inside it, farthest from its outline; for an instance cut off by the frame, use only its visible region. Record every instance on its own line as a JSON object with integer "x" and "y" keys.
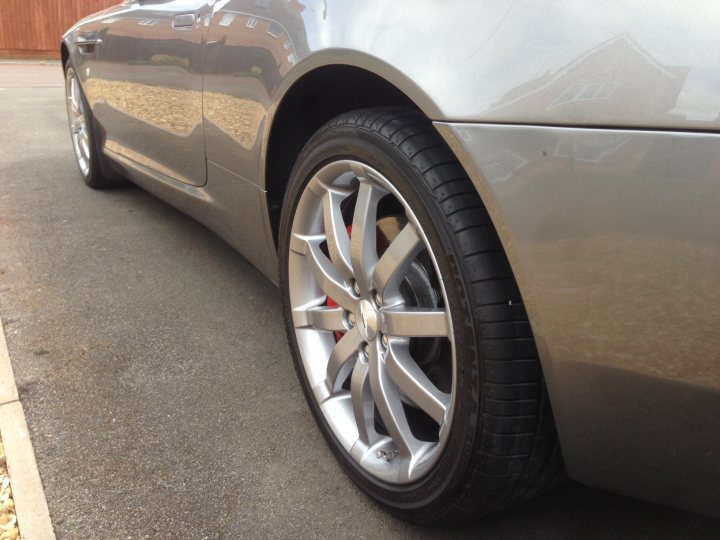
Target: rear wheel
{"x": 406, "y": 325}
{"x": 82, "y": 134}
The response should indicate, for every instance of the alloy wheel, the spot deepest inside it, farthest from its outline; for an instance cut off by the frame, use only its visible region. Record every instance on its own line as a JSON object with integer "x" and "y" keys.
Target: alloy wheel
{"x": 372, "y": 321}
{"x": 78, "y": 122}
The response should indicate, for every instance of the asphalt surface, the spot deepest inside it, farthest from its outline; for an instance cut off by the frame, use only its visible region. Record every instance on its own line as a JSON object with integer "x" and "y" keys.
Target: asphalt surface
{"x": 152, "y": 364}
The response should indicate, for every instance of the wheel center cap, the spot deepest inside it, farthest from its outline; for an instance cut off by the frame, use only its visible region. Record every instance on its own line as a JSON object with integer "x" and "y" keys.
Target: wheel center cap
{"x": 367, "y": 322}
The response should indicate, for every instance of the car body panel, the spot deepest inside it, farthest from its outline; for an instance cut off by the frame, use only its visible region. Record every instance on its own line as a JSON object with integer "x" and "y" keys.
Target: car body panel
{"x": 567, "y": 71}
{"x": 147, "y": 84}
{"x": 228, "y": 204}
{"x": 612, "y": 231}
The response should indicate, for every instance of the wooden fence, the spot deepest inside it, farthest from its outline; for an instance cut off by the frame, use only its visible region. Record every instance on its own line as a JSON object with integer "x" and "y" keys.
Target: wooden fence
{"x": 33, "y": 28}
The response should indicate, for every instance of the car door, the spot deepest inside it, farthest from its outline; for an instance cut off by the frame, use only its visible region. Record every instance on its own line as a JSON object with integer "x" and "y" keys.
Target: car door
{"x": 252, "y": 45}
{"x": 147, "y": 84}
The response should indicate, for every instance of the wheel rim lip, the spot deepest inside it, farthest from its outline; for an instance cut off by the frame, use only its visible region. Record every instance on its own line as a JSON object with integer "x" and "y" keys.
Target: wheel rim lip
{"x": 79, "y": 132}
{"x": 309, "y": 340}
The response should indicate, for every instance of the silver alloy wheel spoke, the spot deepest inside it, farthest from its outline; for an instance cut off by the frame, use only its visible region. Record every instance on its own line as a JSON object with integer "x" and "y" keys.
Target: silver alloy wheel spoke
{"x": 338, "y": 239}
{"x": 389, "y": 405}
{"x": 363, "y": 245}
{"x": 76, "y": 94}
{"x": 84, "y": 142}
{"x": 341, "y": 359}
{"x": 74, "y": 102}
{"x": 320, "y": 317}
{"x": 327, "y": 276}
{"x": 404, "y": 321}
{"x": 413, "y": 382}
{"x": 365, "y": 338}
{"x": 78, "y": 123}
{"x": 363, "y": 405}
{"x": 395, "y": 262}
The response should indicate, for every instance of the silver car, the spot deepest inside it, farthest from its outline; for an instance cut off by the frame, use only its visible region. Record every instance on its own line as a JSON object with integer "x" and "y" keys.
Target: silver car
{"x": 495, "y": 226}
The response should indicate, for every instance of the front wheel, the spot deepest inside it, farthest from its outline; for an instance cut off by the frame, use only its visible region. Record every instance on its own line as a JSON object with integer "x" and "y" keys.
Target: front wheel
{"x": 406, "y": 325}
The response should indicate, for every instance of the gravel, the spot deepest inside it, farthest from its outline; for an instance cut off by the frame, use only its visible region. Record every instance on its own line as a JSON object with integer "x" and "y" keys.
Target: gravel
{"x": 8, "y": 520}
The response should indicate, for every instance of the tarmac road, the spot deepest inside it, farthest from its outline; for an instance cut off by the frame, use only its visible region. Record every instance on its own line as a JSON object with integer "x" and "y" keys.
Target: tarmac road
{"x": 152, "y": 365}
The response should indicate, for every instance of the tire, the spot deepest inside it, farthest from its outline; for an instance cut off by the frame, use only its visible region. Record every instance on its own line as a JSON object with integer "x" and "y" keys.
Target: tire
{"x": 94, "y": 169}
{"x": 501, "y": 446}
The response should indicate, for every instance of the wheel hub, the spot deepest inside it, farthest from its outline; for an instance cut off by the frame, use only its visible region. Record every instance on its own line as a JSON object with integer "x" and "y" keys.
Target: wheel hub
{"x": 367, "y": 321}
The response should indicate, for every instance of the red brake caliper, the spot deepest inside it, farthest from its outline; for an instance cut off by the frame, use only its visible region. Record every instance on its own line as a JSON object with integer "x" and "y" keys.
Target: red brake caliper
{"x": 332, "y": 303}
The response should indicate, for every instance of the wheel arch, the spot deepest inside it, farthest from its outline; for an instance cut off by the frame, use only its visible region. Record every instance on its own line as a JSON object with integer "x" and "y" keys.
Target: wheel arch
{"x": 306, "y": 101}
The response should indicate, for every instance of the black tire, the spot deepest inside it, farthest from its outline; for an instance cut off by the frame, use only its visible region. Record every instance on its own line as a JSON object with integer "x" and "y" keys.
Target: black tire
{"x": 100, "y": 174}
{"x": 503, "y": 447}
